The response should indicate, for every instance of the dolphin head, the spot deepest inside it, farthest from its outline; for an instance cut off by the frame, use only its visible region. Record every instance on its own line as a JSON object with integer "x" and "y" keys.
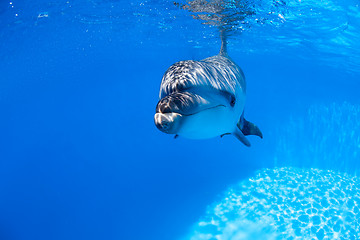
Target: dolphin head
{"x": 193, "y": 112}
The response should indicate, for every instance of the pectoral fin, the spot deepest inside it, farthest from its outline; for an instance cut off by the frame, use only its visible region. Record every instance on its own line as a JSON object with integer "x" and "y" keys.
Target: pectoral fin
{"x": 248, "y": 128}
{"x": 239, "y": 135}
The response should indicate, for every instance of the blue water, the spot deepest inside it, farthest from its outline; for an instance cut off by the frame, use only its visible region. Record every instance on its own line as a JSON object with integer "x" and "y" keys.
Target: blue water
{"x": 80, "y": 156}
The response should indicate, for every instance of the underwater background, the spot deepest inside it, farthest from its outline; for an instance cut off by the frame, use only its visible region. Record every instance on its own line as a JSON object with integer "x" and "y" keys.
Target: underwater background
{"x": 81, "y": 158}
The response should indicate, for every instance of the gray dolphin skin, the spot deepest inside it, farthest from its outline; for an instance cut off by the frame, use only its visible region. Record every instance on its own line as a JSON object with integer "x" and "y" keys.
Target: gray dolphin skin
{"x": 204, "y": 99}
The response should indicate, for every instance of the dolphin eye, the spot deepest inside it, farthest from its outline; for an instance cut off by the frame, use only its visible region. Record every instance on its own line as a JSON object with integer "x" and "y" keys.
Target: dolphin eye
{"x": 232, "y": 101}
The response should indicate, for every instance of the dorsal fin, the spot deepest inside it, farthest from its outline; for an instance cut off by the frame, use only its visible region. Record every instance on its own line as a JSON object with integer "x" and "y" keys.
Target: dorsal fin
{"x": 223, "y": 49}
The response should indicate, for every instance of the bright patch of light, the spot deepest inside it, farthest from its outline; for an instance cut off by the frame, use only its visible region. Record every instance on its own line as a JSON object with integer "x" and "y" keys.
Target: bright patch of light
{"x": 298, "y": 204}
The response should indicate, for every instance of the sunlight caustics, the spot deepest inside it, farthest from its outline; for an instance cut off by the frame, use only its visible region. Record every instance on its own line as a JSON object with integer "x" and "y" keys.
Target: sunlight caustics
{"x": 286, "y": 203}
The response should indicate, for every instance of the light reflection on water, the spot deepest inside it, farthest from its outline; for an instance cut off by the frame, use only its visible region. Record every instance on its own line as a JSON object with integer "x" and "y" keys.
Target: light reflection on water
{"x": 326, "y": 31}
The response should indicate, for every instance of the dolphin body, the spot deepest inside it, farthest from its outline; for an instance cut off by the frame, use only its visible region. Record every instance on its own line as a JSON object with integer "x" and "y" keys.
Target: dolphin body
{"x": 204, "y": 99}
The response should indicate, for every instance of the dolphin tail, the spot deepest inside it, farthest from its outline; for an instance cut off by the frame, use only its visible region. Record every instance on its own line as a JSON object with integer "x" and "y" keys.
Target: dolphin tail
{"x": 248, "y": 128}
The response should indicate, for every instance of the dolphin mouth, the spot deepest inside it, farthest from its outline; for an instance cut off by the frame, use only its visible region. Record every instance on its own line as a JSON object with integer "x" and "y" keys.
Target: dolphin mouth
{"x": 188, "y": 103}
{"x": 169, "y": 122}
{"x": 202, "y": 110}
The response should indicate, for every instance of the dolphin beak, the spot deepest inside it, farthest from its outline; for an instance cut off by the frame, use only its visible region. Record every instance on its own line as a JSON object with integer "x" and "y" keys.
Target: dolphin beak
{"x": 168, "y": 122}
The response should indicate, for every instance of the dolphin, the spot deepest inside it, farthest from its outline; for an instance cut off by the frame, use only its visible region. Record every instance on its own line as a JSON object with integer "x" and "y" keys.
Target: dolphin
{"x": 204, "y": 99}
